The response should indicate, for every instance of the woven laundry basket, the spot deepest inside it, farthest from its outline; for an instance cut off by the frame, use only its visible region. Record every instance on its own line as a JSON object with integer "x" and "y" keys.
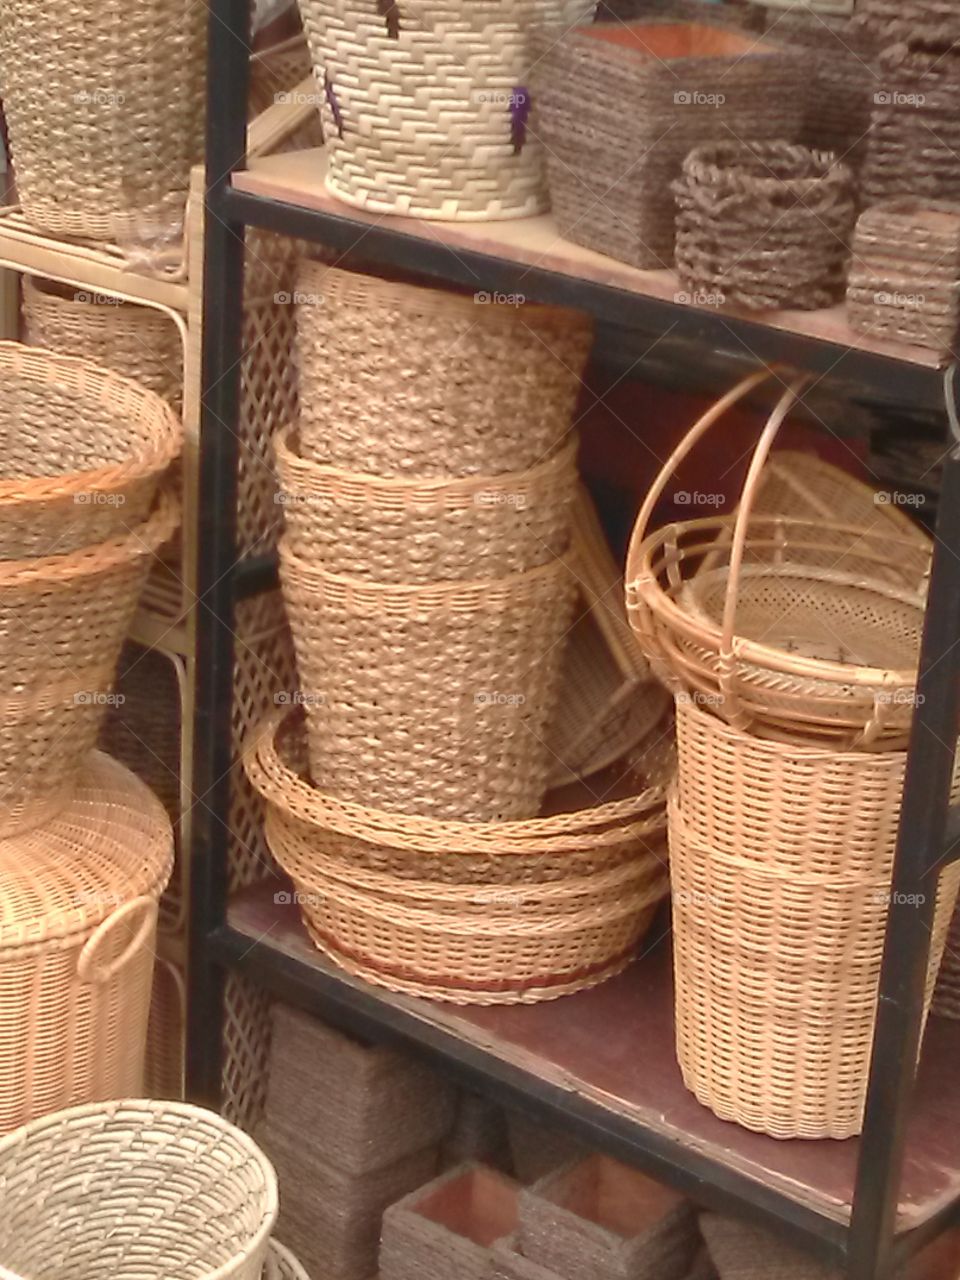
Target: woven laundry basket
{"x": 764, "y": 225}
{"x": 179, "y": 1192}
{"x": 84, "y": 450}
{"x": 398, "y": 380}
{"x": 281, "y": 1264}
{"x": 396, "y": 530}
{"x": 78, "y": 915}
{"x": 742, "y": 613}
{"x": 105, "y": 116}
{"x": 430, "y": 699}
{"x": 426, "y": 103}
{"x": 62, "y": 623}
{"x": 618, "y": 106}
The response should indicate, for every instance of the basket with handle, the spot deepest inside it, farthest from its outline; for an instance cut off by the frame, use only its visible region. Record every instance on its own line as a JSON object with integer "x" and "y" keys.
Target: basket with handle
{"x": 743, "y": 611}
{"x": 180, "y": 1192}
{"x": 78, "y": 918}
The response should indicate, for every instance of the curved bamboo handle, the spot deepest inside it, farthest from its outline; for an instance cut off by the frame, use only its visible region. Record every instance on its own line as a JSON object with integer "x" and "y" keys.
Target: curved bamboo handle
{"x": 88, "y": 968}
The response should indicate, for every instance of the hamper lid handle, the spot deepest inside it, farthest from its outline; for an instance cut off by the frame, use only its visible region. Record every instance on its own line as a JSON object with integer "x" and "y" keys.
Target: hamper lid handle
{"x": 89, "y": 969}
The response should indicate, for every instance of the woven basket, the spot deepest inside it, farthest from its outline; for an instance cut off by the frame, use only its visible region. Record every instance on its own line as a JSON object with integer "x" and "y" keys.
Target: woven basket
{"x": 416, "y": 531}
{"x": 619, "y": 106}
{"x": 105, "y": 116}
{"x": 397, "y": 380}
{"x": 77, "y": 928}
{"x": 742, "y": 1251}
{"x": 764, "y": 225}
{"x": 179, "y": 1193}
{"x": 282, "y": 1264}
{"x": 426, "y": 103}
{"x": 84, "y": 451}
{"x": 742, "y": 613}
{"x": 911, "y": 20}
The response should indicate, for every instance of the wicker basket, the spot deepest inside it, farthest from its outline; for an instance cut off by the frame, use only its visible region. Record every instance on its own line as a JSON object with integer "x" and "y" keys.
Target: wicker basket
{"x": 743, "y": 614}
{"x": 619, "y": 106}
{"x": 179, "y": 1193}
{"x": 84, "y": 452}
{"x": 911, "y": 20}
{"x": 764, "y": 225}
{"x": 105, "y": 116}
{"x": 79, "y": 915}
{"x": 417, "y": 531}
{"x": 282, "y": 1264}
{"x": 742, "y": 1251}
{"x": 397, "y": 380}
{"x": 426, "y": 103}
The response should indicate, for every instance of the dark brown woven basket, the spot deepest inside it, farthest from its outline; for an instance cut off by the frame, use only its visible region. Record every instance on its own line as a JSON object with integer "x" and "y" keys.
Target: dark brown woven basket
{"x": 745, "y": 1252}
{"x": 910, "y": 19}
{"x": 764, "y": 225}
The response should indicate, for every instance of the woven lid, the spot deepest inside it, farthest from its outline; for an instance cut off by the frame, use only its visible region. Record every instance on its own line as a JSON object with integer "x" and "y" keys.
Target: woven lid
{"x": 111, "y": 843}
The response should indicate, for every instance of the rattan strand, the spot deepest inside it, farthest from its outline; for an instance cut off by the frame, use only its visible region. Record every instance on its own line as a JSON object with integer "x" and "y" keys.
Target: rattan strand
{"x": 282, "y": 1264}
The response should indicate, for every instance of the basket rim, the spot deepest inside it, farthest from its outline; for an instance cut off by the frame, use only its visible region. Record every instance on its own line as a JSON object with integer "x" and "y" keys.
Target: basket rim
{"x": 725, "y": 164}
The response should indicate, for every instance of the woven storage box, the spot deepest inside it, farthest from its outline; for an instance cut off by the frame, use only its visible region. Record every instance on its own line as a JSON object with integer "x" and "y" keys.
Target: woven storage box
{"x": 431, "y": 699}
{"x": 741, "y": 1251}
{"x": 479, "y": 1132}
{"x": 426, "y": 103}
{"x": 905, "y": 273}
{"x": 447, "y": 1228}
{"x": 395, "y": 530}
{"x": 508, "y": 1263}
{"x": 105, "y": 116}
{"x": 282, "y": 1264}
{"x": 397, "y": 380}
{"x": 619, "y": 106}
{"x": 936, "y": 20}
{"x": 77, "y": 929}
{"x": 764, "y": 225}
{"x": 537, "y": 1148}
{"x": 366, "y": 1105}
{"x": 598, "y": 1219}
{"x": 179, "y": 1193}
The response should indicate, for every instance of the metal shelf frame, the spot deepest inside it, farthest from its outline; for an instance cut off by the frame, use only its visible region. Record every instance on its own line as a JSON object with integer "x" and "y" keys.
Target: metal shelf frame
{"x": 867, "y": 1248}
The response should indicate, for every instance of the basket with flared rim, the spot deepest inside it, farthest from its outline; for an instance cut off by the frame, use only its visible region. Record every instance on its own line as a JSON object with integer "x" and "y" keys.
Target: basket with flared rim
{"x": 743, "y": 611}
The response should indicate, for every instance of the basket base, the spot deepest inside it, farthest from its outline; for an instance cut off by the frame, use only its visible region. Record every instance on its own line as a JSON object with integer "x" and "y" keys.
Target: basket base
{"x": 449, "y": 212}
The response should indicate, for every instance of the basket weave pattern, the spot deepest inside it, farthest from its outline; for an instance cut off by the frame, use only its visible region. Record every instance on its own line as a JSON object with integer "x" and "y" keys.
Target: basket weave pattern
{"x": 282, "y": 1264}
{"x": 911, "y": 20}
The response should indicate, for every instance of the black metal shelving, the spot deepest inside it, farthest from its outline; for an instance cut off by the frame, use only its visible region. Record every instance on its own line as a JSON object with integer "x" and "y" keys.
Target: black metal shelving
{"x": 851, "y": 1201}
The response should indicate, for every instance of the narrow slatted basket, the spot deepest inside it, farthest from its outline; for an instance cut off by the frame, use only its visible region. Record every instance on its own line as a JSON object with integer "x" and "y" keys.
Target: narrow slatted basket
{"x": 180, "y": 1192}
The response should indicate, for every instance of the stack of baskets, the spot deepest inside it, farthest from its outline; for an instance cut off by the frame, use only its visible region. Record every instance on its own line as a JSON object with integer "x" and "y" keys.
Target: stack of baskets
{"x": 790, "y": 642}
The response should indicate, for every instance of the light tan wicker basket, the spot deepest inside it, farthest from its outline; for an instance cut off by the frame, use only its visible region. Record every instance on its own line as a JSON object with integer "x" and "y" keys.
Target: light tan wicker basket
{"x": 83, "y": 452}
{"x": 430, "y": 699}
{"x": 282, "y": 1264}
{"x": 180, "y": 1192}
{"x": 399, "y": 380}
{"x": 105, "y": 116}
{"x": 78, "y": 916}
{"x": 426, "y": 103}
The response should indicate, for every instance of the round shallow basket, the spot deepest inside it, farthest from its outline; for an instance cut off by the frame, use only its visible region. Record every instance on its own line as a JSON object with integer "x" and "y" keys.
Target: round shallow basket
{"x": 764, "y": 225}
{"x": 395, "y": 530}
{"x": 78, "y": 918}
{"x": 282, "y": 1264}
{"x": 105, "y": 116}
{"x": 84, "y": 450}
{"x": 426, "y": 103}
{"x": 431, "y": 699}
{"x": 63, "y": 620}
{"x": 744, "y": 612}
{"x": 399, "y": 380}
{"x": 135, "y": 1190}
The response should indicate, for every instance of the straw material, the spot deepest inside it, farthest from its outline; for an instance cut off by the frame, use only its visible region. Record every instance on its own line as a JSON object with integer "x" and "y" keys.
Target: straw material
{"x": 537, "y": 1148}
{"x": 764, "y": 225}
{"x": 78, "y": 918}
{"x": 275, "y": 76}
{"x": 479, "y": 1132}
{"x": 910, "y": 19}
{"x": 179, "y": 1193}
{"x": 397, "y": 380}
{"x": 282, "y": 1264}
{"x": 425, "y": 103}
{"x": 105, "y": 116}
{"x": 619, "y": 107}
{"x": 743, "y": 1251}
{"x": 508, "y": 1263}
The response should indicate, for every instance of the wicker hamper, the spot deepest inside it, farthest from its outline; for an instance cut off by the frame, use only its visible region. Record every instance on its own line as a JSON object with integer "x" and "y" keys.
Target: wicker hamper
{"x": 179, "y": 1192}
{"x": 78, "y": 919}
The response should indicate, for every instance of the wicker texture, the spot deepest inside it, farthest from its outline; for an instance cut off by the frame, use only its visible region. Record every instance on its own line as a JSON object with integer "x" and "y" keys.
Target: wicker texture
{"x": 937, "y": 20}
{"x": 537, "y": 1149}
{"x": 276, "y": 74}
{"x": 678, "y": 86}
{"x": 508, "y": 1263}
{"x": 742, "y": 1251}
{"x": 764, "y": 225}
{"x": 479, "y": 1133}
{"x": 163, "y": 1072}
{"x": 426, "y": 101}
{"x": 105, "y": 116}
{"x": 77, "y": 927}
{"x": 282, "y": 1264}
{"x": 905, "y": 274}
{"x": 179, "y": 1193}
{"x": 397, "y": 380}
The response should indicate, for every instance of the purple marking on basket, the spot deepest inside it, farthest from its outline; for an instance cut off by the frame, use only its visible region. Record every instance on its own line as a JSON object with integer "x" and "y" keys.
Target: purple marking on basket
{"x": 388, "y": 9}
{"x": 519, "y": 114}
{"x": 332, "y": 102}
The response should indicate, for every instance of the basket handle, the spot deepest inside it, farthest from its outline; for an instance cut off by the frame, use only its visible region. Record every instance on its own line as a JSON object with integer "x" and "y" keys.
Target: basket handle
{"x": 88, "y": 968}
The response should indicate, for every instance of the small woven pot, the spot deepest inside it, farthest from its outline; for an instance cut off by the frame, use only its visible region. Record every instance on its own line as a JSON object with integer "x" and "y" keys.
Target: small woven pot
{"x": 78, "y": 919}
{"x": 416, "y": 531}
{"x": 742, "y": 1251}
{"x": 397, "y": 380}
{"x": 84, "y": 450}
{"x": 397, "y": 74}
{"x": 508, "y": 1263}
{"x": 154, "y": 1165}
{"x": 107, "y": 119}
{"x": 282, "y": 1264}
{"x": 764, "y": 225}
